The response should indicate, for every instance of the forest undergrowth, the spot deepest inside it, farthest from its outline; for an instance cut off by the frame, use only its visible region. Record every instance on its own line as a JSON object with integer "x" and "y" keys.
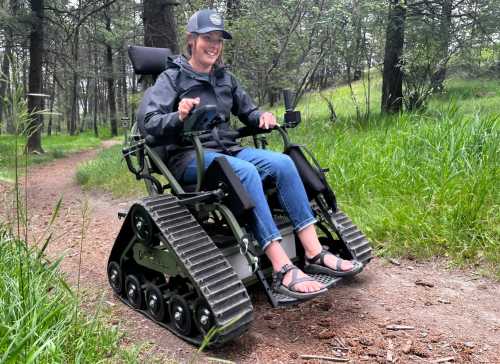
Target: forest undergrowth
{"x": 419, "y": 184}
{"x": 40, "y": 317}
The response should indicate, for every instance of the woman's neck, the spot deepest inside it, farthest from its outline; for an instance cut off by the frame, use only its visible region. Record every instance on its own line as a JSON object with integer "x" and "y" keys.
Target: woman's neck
{"x": 201, "y": 68}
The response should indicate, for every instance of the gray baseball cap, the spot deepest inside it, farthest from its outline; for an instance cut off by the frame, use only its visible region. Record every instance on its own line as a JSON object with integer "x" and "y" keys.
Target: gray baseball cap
{"x": 207, "y": 20}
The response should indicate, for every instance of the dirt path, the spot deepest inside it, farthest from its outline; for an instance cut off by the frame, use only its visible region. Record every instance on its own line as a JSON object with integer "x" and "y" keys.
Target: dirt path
{"x": 448, "y": 313}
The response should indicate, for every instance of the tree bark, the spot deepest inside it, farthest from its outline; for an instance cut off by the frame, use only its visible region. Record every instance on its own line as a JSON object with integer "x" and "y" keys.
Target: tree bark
{"x": 439, "y": 75}
{"x": 96, "y": 90}
{"x": 160, "y": 29}
{"x": 51, "y": 103}
{"x": 110, "y": 81}
{"x": 4, "y": 84}
{"x": 392, "y": 83}
{"x": 123, "y": 78}
{"x": 35, "y": 103}
{"x": 74, "y": 85}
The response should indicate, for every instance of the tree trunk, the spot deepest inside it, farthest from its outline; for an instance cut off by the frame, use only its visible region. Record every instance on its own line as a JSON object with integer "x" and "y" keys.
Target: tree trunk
{"x": 4, "y": 84}
{"x": 392, "y": 83}
{"x": 51, "y": 107}
{"x": 123, "y": 78}
{"x": 357, "y": 63}
{"x": 5, "y": 113}
{"x": 439, "y": 76}
{"x": 160, "y": 29}
{"x": 96, "y": 91}
{"x": 110, "y": 81}
{"x": 35, "y": 103}
{"x": 74, "y": 85}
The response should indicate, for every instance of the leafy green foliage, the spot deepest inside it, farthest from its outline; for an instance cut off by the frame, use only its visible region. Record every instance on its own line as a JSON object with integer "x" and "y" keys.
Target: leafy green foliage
{"x": 40, "y": 321}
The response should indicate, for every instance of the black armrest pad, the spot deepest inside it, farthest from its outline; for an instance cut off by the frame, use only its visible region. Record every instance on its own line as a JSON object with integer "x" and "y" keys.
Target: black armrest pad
{"x": 220, "y": 174}
{"x": 249, "y": 131}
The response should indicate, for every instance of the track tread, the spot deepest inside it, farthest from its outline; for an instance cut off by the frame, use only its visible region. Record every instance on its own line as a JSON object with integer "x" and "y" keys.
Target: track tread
{"x": 194, "y": 249}
{"x": 354, "y": 239}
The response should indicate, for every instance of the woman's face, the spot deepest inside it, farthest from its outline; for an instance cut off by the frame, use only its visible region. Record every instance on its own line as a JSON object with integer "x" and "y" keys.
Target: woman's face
{"x": 206, "y": 48}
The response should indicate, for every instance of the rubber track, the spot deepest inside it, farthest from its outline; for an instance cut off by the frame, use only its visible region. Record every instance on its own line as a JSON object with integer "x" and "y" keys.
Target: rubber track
{"x": 353, "y": 238}
{"x": 205, "y": 265}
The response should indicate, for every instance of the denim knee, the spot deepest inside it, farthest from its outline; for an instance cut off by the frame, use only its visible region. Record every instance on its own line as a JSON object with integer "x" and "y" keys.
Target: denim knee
{"x": 283, "y": 166}
{"x": 248, "y": 173}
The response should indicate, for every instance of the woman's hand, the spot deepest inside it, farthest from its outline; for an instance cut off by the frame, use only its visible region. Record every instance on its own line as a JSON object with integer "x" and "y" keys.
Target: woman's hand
{"x": 185, "y": 107}
{"x": 267, "y": 120}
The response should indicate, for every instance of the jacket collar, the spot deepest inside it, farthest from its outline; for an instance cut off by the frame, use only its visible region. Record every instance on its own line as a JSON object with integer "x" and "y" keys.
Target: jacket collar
{"x": 183, "y": 65}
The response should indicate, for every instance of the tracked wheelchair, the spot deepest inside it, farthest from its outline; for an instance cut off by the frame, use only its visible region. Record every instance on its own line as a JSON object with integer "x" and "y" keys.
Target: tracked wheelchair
{"x": 184, "y": 256}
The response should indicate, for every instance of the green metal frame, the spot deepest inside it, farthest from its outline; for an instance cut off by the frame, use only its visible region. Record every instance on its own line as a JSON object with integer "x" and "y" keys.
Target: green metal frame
{"x": 242, "y": 237}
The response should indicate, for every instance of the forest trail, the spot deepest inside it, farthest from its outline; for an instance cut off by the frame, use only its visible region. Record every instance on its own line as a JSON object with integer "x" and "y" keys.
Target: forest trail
{"x": 438, "y": 313}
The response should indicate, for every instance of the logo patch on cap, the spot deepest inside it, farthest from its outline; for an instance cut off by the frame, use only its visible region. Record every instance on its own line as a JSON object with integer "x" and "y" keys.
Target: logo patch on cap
{"x": 215, "y": 19}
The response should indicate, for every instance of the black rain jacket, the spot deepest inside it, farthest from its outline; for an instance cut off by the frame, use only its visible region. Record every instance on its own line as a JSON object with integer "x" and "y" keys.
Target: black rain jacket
{"x": 178, "y": 81}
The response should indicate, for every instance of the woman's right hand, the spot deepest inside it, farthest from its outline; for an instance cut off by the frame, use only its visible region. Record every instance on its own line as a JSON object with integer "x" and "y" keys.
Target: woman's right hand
{"x": 185, "y": 107}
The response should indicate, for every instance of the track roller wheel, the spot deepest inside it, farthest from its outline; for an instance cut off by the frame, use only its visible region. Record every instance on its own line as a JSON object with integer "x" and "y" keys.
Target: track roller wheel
{"x": 142, "y": 225}
{"x": 134, "y": 292}
{"x": 115, "y": 277}
{"x": 180, "y": 315}
{"x": 155, "y": 303}
{"x": 203, "y": 317}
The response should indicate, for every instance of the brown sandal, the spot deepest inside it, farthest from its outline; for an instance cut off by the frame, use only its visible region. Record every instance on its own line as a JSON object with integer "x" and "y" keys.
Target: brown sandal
{"x": 289, "y": 290}
{"x": 316, "y": 264}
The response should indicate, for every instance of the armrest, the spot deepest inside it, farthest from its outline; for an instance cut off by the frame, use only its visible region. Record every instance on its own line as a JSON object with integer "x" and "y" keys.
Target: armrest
{"x": 250, "y": 131}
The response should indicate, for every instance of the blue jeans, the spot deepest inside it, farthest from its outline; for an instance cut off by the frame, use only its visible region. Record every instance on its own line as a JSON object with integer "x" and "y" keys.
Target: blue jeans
{"x": 252, "y": 166}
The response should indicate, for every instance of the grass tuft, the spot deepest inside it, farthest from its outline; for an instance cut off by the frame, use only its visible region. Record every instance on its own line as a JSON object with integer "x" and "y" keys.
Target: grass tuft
{"x": 37, "y": 313}
{"x": 109, "y": 172}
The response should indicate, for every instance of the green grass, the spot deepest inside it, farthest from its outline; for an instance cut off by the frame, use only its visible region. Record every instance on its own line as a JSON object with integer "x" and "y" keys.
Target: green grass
{"x": 418, "y": 184}
{"x": 56, "y": 146}
{"x": 40, "y": 319}
{"x": 109, "y": 172}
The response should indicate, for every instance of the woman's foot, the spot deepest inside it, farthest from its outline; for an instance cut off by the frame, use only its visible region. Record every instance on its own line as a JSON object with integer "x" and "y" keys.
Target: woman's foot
{"x": 327, "y": 263}
{"x": 292, "y": 282}
{"x": 305, "y": 286}
{"x": 319, "y": 260}
{"x": 288, "y": 279}
{"x": 331, "y": 261}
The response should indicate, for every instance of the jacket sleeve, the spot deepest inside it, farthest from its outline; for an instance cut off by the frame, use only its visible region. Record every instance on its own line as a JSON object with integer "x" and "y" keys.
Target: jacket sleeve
{"x": 243, "y": 106}
{"x": 160, "y": 117}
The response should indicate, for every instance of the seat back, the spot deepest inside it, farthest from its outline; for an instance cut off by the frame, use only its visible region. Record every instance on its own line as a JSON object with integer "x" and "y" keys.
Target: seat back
{"x": 148, "y": 60}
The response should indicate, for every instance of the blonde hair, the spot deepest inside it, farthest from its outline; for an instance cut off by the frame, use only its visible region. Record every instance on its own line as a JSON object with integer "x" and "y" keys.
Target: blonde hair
{"x": 191, "y": 39}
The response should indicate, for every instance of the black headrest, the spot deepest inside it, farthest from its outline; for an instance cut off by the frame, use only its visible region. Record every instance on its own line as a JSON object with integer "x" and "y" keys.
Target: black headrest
{"x": 148, "y": 60}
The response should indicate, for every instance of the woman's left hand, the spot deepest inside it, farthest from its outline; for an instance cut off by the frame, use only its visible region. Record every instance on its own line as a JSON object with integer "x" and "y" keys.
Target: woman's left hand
{"x": 267, "y": 120}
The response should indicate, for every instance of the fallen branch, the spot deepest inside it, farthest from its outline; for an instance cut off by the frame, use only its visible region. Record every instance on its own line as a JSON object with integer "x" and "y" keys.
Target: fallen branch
{"x": 326, "y": 358}
{"x": 444, "y": 360}
{"x": 420, "y": 282}
{"x": 217, "y": 360}
{"x": 399, "y": 327}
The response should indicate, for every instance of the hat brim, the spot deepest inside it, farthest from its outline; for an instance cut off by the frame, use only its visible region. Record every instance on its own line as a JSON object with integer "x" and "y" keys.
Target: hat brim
{"x": 225, "y": 34}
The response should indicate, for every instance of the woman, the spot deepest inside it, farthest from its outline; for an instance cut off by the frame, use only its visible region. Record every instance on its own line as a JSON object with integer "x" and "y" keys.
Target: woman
{"x": 200, "y": 79}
